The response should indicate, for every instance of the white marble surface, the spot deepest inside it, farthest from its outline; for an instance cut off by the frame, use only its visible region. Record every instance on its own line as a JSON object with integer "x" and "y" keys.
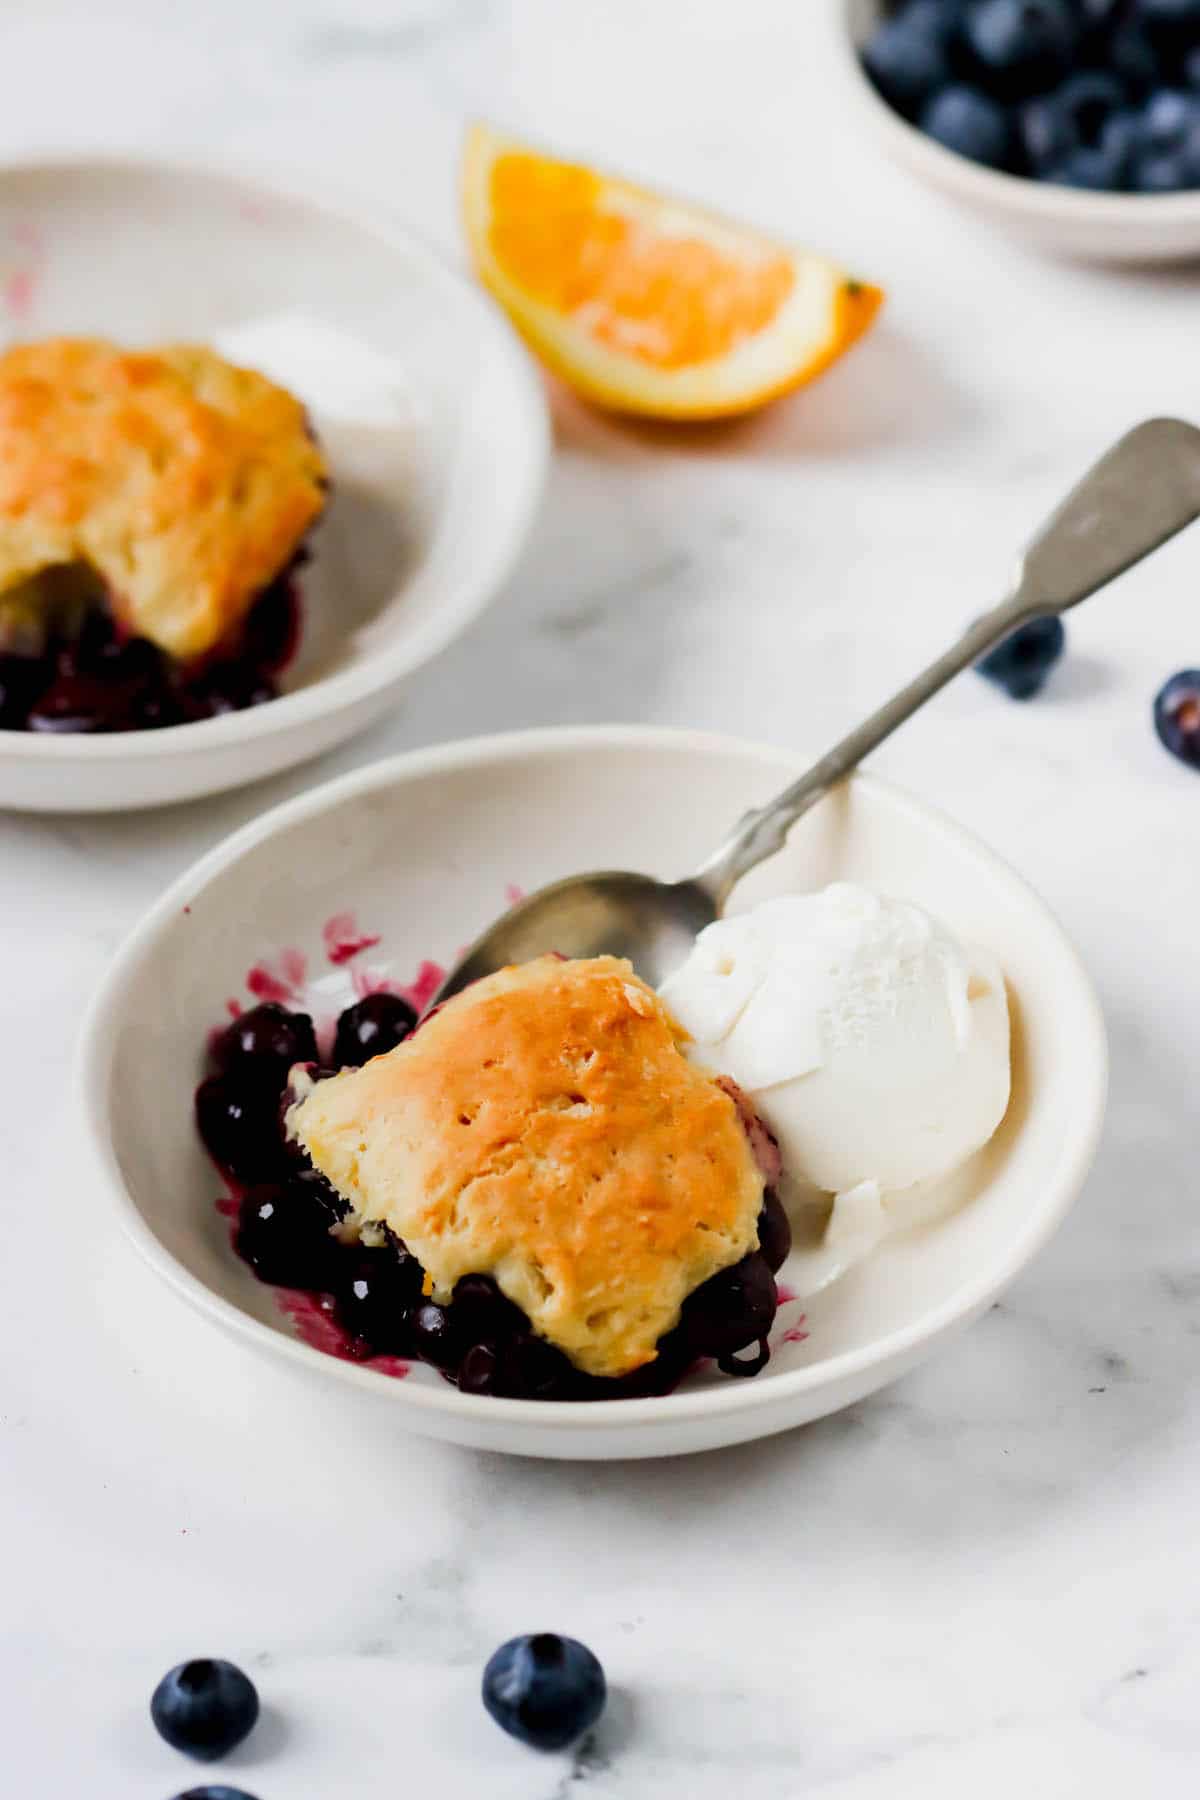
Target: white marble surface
{"x": 983, "y": 1582}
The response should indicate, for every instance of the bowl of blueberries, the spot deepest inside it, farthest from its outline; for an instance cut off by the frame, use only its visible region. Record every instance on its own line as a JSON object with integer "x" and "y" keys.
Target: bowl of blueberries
{"x": 1072, "y": 123}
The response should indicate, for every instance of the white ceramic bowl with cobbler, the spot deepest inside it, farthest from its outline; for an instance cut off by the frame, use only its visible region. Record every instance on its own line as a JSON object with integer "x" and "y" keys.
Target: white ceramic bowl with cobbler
{"x": 429, "y": 416}
{"x": 377, "y": 877}
{"x": 1064, "y": 220}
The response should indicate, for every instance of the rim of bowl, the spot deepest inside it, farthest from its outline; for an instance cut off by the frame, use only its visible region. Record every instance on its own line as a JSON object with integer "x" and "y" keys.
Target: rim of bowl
{"x": 96, "y": 1050}
{"x": 1017, "y": 193}
{"x": 338, "y": 692}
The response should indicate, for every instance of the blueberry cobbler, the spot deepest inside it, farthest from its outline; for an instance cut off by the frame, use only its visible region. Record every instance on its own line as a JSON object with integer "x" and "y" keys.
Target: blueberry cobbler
{"x": 154, "y": 507}
{"x": 535, "y": 1190}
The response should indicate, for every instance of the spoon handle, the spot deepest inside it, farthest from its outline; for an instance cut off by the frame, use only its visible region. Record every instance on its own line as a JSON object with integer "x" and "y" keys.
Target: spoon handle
{"x": 1137, "y": 496}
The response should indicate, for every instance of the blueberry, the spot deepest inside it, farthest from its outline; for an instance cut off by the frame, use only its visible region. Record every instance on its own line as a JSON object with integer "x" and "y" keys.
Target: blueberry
{"x": 482, "y": 1311}
{"x": 1168, "y": 117}
{"x": 204, "y": 1708}
{"x": 1020, "y": 47}
{"x": 536, "y": 1370}
{"x": 264, "y": 1043}
{"x": 1131, "y": 57}
{"x": 906, "y": 59}
{"x": 1177, "y": 716}
{"x": 370, "y": 1028}
{"x": 375, "y": 1297}
{"x": 480, "y": 1371}
{"x": 239, "y": 1125}
{"x": 731, "y": 1309}
{"x": 215, "y": 1793}
{"x": 269, "y": 634}
{"x": 1021, "y": 663}
{"x": 545, "y": 1690}
{"x": 283, "y": 1232}
{"x": 1075, "y": 117}
{"x": 22, "y": 679}
{"x": 1160, "y": 172}
{"x": 1100, "y": 170}
{"x": 1172, "y": 24}
{"x": 226, "y": 687}
{"x": 966, "y": 121}
{"x": 774, "y": 1231}
{"x": 1191, "y": 69}
{"x": 435, "y": 1336}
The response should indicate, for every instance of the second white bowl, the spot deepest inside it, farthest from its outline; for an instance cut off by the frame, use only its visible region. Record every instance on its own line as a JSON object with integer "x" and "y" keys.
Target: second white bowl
{"x": 1134, "y": 228}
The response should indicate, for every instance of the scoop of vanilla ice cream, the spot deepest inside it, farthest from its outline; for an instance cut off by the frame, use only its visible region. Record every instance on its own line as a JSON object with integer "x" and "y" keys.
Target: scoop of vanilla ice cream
{"x": 875, "y": 1045}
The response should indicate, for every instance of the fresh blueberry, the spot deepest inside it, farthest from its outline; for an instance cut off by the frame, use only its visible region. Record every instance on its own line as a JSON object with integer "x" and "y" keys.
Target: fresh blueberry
{"x": 774, "y": 1231}
{"x": 967, "y": 121}
{"x": 239, "y": 1125}
{"x": 1161, "y": 172}
{"x": 370, "y": 1028}
{"x": 1191, "y": 69}
{"x": 215, "y": 1793}
{"x": 264, "y": 1043}
{"x": 1173, "y": 24}
{"x": 1169, "y": 116}
{"x": 906, "y": 59}
{"x": 730, "y": 1310}
{"x": 204, "y": 1708}
{"x": 1177, "y": 716}
{"x": 1022, "y": 662}
{"x": 1075, "y": 117}
{"x": 1100, "y": 170}
{"x": 545, "y": 1690}
{"x": 1132, "y": 58}
{"x": 1020, "y": 47}
{"x": 284, "y": 1232}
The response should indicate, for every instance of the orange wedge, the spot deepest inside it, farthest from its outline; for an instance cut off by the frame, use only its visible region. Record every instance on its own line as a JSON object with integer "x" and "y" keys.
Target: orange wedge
{"x": 644, "y": 304}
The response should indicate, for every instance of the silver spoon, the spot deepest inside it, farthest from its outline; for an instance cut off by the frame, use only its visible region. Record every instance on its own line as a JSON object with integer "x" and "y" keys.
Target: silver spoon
{"x": 1136, "y": 497}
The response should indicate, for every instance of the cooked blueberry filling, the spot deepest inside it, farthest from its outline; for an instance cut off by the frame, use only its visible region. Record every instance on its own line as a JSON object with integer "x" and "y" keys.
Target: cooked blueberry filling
{"x": 480, "y": 1340}
{"x": 87, "y": 677}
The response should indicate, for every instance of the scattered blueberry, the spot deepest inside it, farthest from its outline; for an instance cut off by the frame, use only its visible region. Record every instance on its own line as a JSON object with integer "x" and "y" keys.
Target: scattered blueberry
{"x": 1168, "y": 117}
{"x": 264, "y": 1043}
{"x": 204, "y": 1708}
{"x": 370, "y": 1028}
{"x": 1020, "y": 47}
{"x": 545, "y": 1690}
{"x": 965, "y": 120}
{"x": 435, "y": 1337}
{"x": 214, "y": 1793}
{"x": 1177, "y": 716}
{"x": 1021, "y": 664}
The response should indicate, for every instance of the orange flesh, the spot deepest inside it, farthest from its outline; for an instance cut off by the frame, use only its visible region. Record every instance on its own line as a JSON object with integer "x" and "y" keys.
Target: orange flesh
{"x": 668, "y": 301}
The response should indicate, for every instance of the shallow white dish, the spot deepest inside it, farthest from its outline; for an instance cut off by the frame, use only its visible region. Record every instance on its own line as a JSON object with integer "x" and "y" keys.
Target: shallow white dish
{"x": 426, "y": 520}
{"x": 423, "y": 849}
{"x": 1134, "y": 228}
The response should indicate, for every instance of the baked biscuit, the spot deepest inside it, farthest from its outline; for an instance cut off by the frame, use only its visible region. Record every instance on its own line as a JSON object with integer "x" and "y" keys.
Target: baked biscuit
{"x": 184, "y": 483}
{"x": 545, "y": 1128}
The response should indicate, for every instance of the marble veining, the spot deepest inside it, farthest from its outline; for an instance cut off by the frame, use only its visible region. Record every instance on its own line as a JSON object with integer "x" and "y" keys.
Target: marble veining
{"x": 983, "y": 1581}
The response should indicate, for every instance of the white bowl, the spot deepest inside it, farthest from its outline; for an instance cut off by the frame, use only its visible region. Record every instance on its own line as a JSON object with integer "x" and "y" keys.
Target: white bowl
{"x": 1133, "y": 228}
{"x": 424, "y": 848}
{"x": 426, "y": 520}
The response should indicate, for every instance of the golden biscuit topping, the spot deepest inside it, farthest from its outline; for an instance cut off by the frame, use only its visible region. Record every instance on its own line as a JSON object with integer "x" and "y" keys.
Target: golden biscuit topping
{"x": 184, "y": 484}
{"x": 545, "y": 1128}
